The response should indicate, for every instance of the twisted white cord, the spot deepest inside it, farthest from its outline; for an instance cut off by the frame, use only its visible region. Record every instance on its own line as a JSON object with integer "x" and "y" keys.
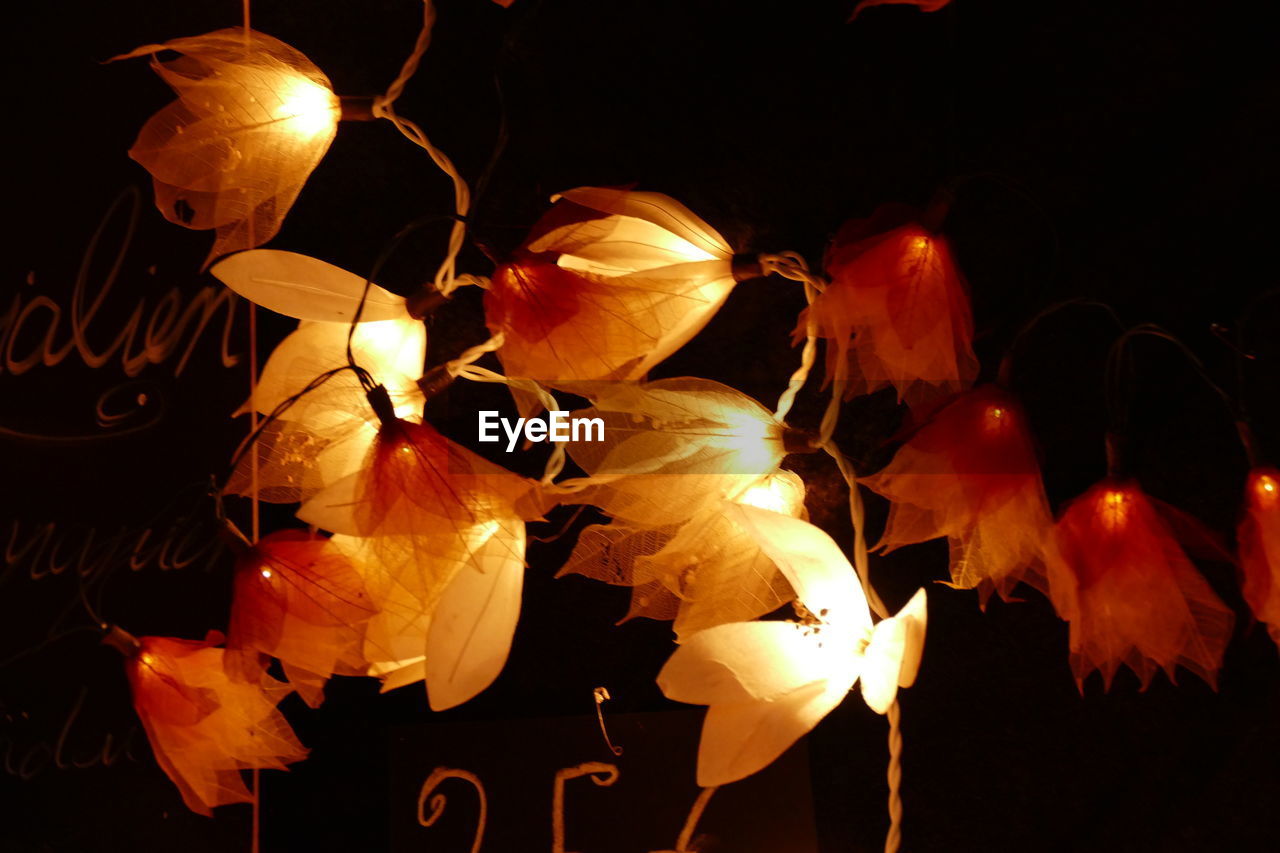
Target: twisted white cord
{"x": 893, "y": 840}
{"x": 858, "y": 517}
{"x": 808, "y": 356}
{"x": 480, "y": 281}
{"x": 472, "y": 355}
{"x": 384, "y": 107}
{"x": 691, "y": 823}
{"x": 793, "y": 266}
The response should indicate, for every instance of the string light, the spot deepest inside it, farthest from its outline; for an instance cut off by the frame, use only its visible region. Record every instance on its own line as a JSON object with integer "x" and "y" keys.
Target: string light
{"x": 584, "y": 313}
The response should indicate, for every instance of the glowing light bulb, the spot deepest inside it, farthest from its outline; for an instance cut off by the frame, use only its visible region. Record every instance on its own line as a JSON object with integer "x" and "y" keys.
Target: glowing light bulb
{"x": 1266, "y": 491}
{"x": 147, "y": 659}
{"x": 777, "y": 493}
{"x": 920, "y": 244}
{"x": 765, "y": 496}
{"x": 748, "y": 438}
{"x": 481, "y": 532}
{"x": 1114, "y": 508}
{"x": 306, "y": 108}
{"x": 997, "y": 417}
{"x": 266, "y": 573}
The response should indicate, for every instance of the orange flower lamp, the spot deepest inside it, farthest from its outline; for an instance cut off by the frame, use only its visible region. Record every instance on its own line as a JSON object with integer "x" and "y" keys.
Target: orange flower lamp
{"x": 1258, "y": 538}
{"x": 300, "y": 599}
{"x": 449, "y": 525}
{"x": 608, "y": 284}
{"x": 895, "y": 314}
{"x": 204, "y": 725}
{"x": 971, "y": 475}
{"x": 252, "y": 120}
{"x": 325, "y": 434}
{"x": 1120, "y": 577}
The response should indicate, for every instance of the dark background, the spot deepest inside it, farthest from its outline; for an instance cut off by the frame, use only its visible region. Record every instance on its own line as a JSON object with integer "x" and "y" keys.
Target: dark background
{"x": 1119, "y": 151}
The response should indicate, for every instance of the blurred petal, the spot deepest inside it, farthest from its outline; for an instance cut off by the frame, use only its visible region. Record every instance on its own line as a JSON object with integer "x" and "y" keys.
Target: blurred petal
{"x": 1259, "y": 544}
{"x": 922, "y": 5}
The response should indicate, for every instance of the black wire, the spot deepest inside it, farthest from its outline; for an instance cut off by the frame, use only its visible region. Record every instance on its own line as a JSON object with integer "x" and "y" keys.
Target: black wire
{"x": 284, "y": 405}
{"x": 503, "y": 135}
{"x": 952, "y": 190}
{"x": 1005, "y": 371}
{"x": 1243, "y": 351}
{"x": 1120, "y": 371}
{"x": 14, "y": 658}
{"x": 564, "y": 528}
{"x": 366, "y": 381}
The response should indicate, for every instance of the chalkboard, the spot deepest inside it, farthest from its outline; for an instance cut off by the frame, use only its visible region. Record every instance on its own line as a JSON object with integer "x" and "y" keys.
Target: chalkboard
{"x": 1111, "y": 151}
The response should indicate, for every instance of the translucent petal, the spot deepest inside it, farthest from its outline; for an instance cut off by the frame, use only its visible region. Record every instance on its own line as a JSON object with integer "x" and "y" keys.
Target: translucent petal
{"x": 306, "y": 288}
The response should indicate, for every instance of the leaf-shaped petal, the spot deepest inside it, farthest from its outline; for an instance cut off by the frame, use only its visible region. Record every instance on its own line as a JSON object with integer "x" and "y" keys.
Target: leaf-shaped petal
{"x": 475, "y": 620}
{"x": 892, "y": 656}
{"x": 306, "y": 288}
{"x": 655, "y": 208}
{"x": 741, "y": 738}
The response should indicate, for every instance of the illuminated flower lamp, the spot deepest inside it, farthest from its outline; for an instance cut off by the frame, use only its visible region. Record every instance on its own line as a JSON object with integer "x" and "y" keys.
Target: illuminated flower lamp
{"x": 253, "y": 118}
{"x": 673, "y": 446}
{"x": 922, "y": 5}
{"x": 204, "y": 725}
{"x": 1118, "y": 574}
{"x": 704, "y": 572}
{"x": 769, "y": 683}
{"x": 430, "y": 506}
{"x": 1258, "y": 541}
{"x": 896, "y": 313}
{"x": 608, "y": 284}
{"x": 301, "y": 600}
{"x": 971, "y": 474}
{"x": 325, "y": 434}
